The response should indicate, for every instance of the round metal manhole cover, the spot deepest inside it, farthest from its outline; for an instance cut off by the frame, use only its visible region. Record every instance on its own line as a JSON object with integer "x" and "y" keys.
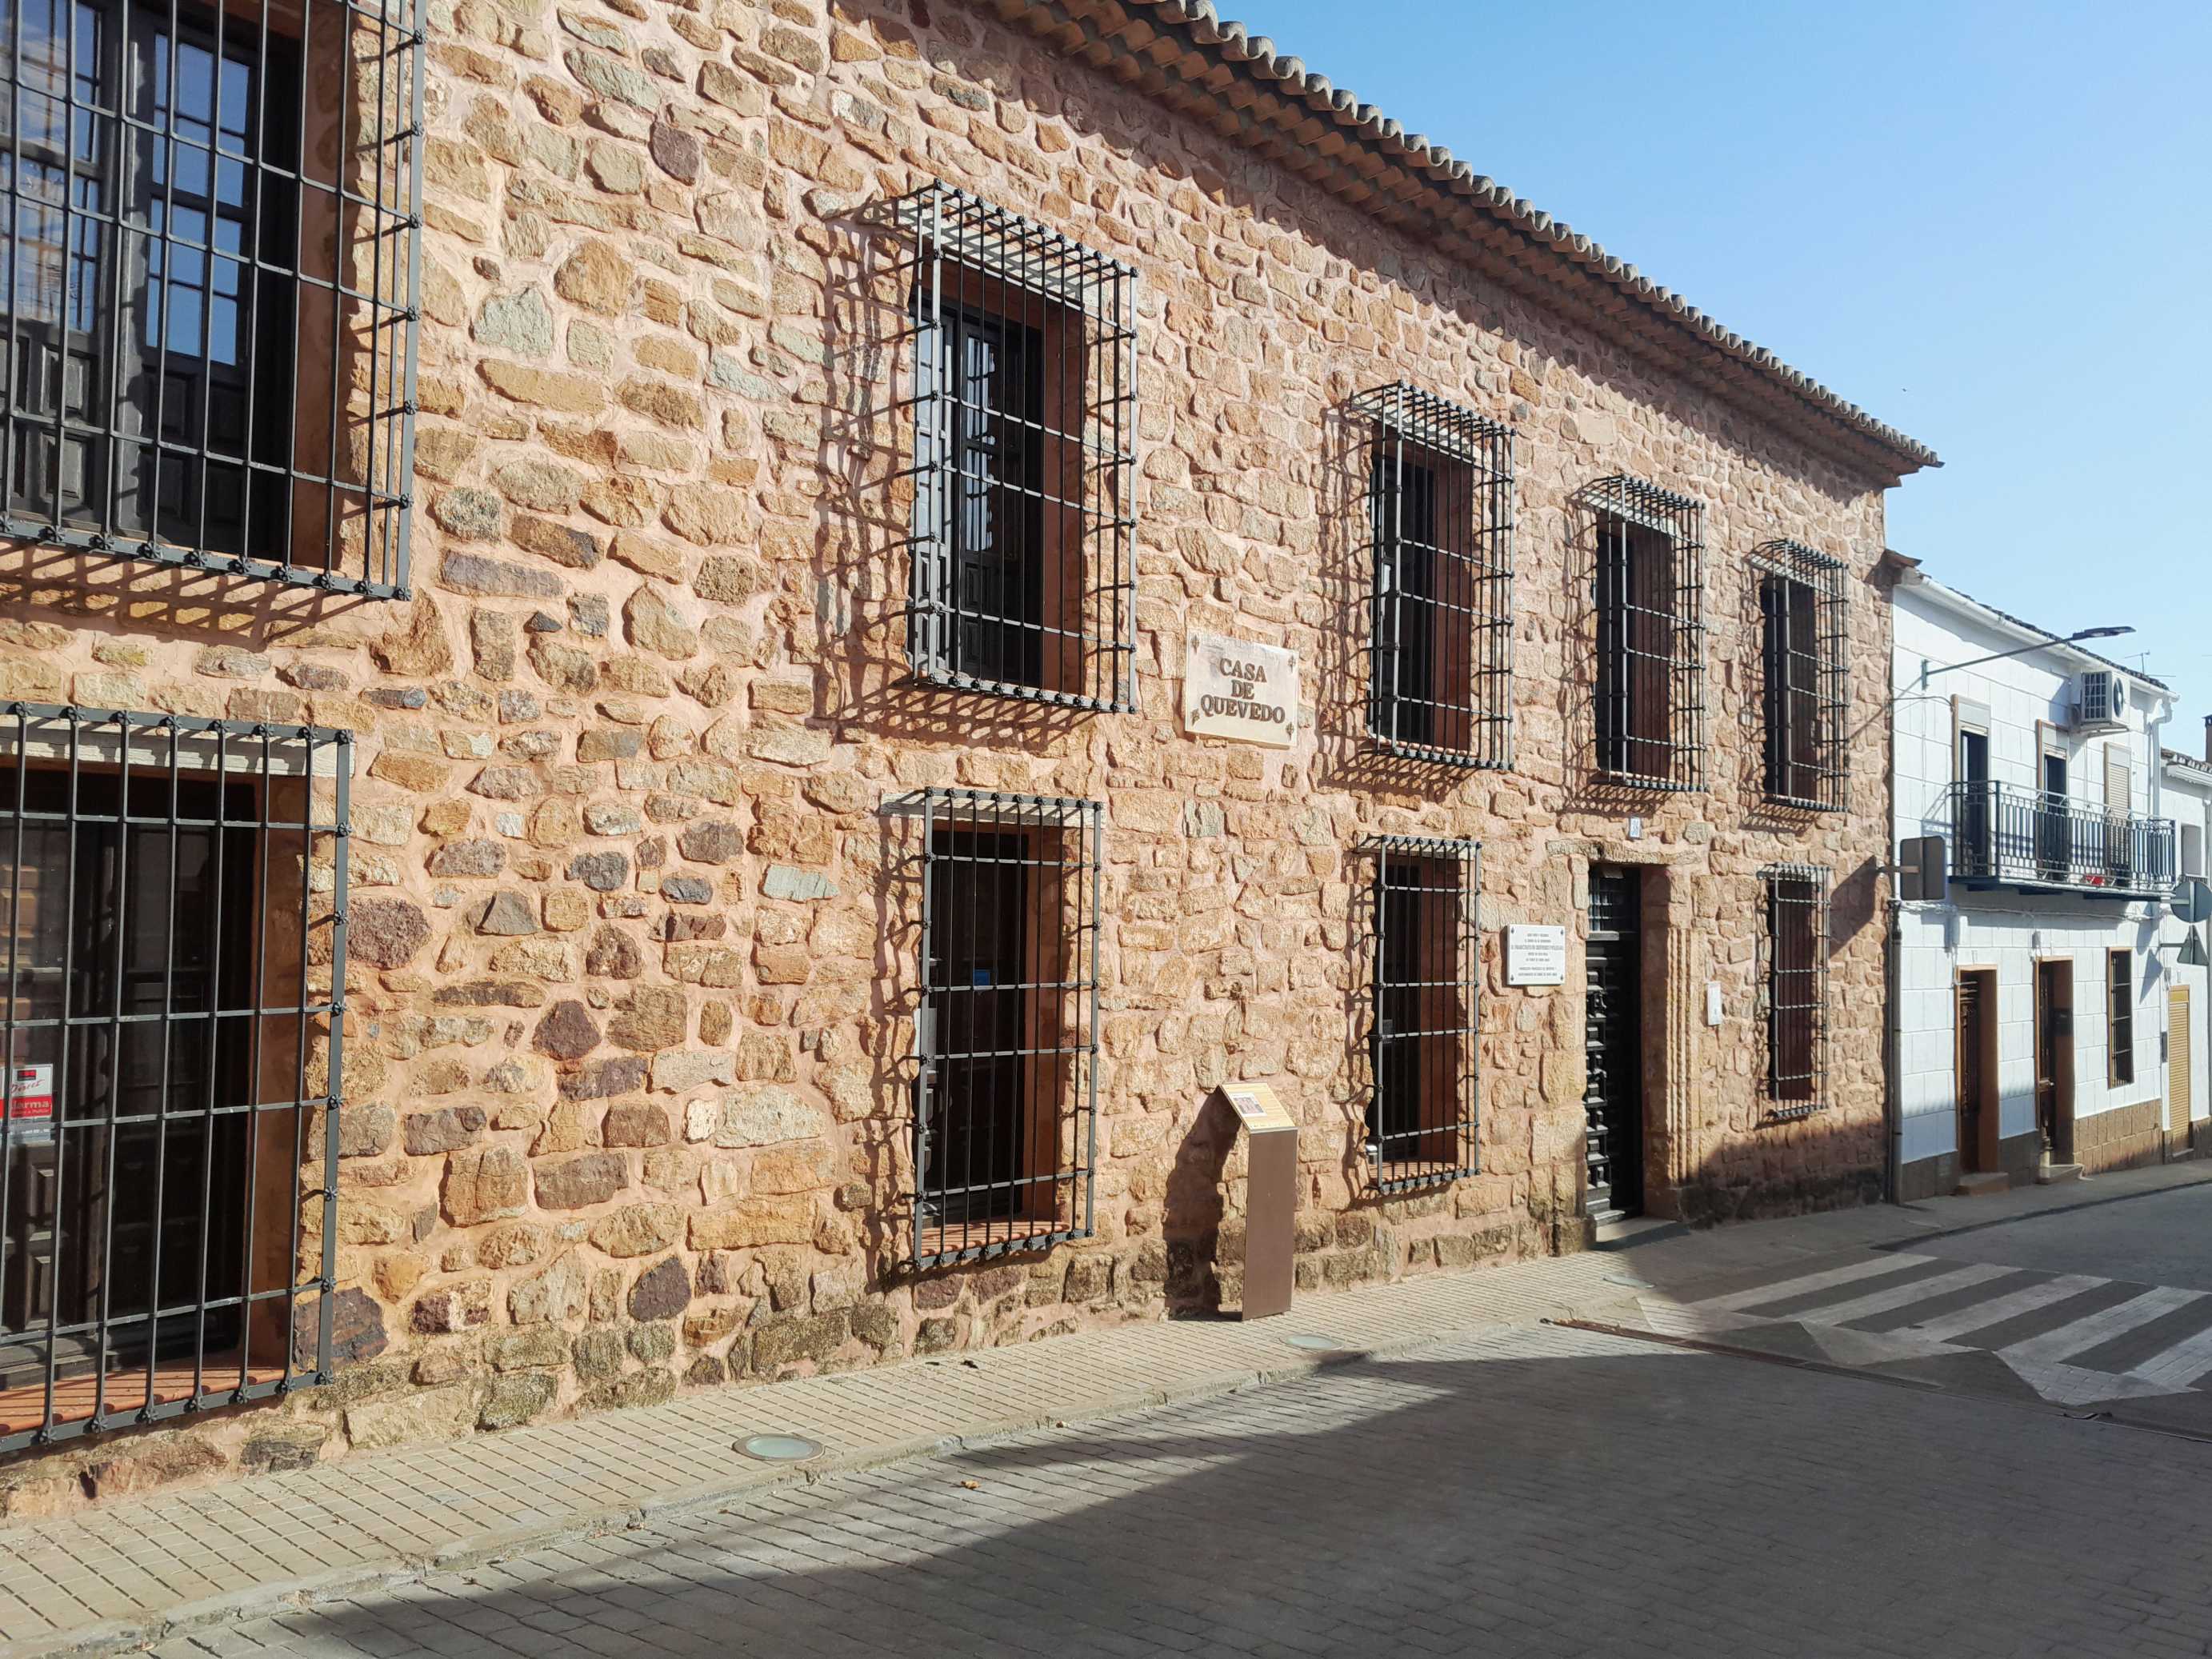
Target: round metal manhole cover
{"x": 780, "y": 1448}
{"x": 1315, "y": 1344}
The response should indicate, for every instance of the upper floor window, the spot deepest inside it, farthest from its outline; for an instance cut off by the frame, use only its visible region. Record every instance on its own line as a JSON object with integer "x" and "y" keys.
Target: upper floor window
{"x": 1793, "y": 987}
{"x": 1024, "y": 376}
{"x": 210, "y": 257}
{"x": 1803, "y": 647}
{"x": 1649, "y": 585}
{"x": 1440, "y": 500}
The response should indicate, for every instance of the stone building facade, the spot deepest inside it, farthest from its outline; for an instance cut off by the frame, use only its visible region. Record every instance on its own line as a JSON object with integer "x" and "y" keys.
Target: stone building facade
{"x": 633, "y": 890}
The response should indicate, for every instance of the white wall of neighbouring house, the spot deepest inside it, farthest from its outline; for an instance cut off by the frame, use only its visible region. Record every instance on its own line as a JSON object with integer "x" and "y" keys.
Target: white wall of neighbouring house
{"x": 2188, "y": 801}
{"x": 2028, "y": 701}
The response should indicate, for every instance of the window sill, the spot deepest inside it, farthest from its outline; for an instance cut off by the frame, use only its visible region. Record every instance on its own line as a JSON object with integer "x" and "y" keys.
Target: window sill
{"x": 1412, "y": 1174}
{"x": 1015, "y": 691}
{"x": 977, "y": 1240}
{"x": 1795, "y": 1112}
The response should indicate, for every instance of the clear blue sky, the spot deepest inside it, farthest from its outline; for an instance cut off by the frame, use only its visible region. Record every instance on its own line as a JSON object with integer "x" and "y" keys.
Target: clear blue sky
{"x": 1989, "y": 224}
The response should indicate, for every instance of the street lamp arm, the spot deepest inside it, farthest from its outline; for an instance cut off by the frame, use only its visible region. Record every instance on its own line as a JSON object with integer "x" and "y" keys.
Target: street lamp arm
{"x": 1928, "y": 672}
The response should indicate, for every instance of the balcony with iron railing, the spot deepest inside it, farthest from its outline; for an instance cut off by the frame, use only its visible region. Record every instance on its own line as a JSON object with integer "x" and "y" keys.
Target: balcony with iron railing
{"x": 2002, "y": 835}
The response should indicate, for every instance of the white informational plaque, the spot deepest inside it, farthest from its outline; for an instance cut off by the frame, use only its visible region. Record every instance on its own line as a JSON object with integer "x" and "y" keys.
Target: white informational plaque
{"x": 1535, "y": 955}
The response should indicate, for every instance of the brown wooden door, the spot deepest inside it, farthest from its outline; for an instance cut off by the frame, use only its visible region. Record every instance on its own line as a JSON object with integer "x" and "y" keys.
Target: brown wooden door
{"x": 2181, "y": 1061}
{"x": 2054, "y": 1058}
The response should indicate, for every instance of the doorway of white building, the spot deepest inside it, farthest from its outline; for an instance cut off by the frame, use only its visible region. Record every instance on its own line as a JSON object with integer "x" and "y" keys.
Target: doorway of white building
{"x": 1977, "y": 1070}
{"x": 2181, "y": 1063}
{"x": 2054, "y": 1058}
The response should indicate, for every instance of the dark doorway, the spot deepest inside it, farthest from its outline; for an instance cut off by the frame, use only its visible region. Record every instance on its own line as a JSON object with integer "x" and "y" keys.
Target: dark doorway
{"x": 2054, "y": 820}
{"x": 2054, "y": 1058}
{"x": 1976, "y": 852}
{"x": 1978, "y": 1070}
{"x": 973, "y": 1158}
{"x": 1612, "y": 1097}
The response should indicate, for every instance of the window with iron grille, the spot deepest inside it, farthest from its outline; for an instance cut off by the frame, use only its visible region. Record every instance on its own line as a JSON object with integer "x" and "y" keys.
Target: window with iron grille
{"x": 1007, "y": 1031}
{"x": 1421, "y": 1116}
{"x": 211, "y": 254}
{"x": 1794, "y": 987}
{"x": 1440, "y": 500}
{"x": 2120, "y": 1011}
{"x": 1649, "y": 579}
{"x": 1024, "y": 401}
{"x": 174, "y": 892}
{"x": 1803, "y": 647}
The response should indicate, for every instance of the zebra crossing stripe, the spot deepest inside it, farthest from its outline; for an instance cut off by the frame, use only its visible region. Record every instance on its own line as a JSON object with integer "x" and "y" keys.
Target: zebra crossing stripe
{"x": 1902, "y": 1296}
{"x": 1783, "y": 1288}
{"x": 1983, "y": 1315}
{"x": 2180, "y": 1366}
{"x": 2102, "y": 1326}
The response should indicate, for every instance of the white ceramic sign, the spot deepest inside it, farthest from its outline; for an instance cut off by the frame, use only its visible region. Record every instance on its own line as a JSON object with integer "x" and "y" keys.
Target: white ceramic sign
{"x": 1233, "y": 689}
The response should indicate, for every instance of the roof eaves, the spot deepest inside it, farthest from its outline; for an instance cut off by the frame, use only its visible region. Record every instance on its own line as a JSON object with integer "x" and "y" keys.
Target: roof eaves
{"x": 1129, "y": 30}
{"x": 2040, "y": 635}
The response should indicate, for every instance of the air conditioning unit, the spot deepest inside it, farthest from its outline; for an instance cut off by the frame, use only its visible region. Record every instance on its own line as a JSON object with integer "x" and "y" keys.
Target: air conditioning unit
{"x": 2101, "y": 701}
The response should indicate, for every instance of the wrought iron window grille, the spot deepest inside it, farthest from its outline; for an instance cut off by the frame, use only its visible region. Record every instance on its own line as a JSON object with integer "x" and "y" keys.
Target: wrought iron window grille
{"x": 1024, "y": 403}
{"x": 213, "y": 247}
{"x": 1794, "y": 989}
{"x": 1805, "y": 695}
{"x": 2120, "y": 1018}
{"x": 1440, "y": 498}
{"x": 174, "y": 894}
{"x": 1005, "y": 1137}
{"x": 1649, "y": 581}
{"x": 1425, "y": 1022}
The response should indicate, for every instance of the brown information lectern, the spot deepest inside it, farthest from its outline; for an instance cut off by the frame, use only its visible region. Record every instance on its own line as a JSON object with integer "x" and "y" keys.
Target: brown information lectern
{"x": 1271, "y": 1196}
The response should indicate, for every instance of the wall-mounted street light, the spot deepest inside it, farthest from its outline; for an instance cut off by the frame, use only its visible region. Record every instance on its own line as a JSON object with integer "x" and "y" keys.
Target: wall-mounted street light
{"x": 2076, "y": 638}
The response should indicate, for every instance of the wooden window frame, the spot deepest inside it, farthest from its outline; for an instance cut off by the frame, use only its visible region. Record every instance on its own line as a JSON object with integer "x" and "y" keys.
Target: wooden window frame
{"x": 2119, "y": 1019}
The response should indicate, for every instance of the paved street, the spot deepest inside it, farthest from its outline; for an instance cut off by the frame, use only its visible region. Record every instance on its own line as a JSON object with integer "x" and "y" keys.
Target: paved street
{"x": 1465, "y": 1475}
{"x": 1513, "y": 1492}
{"x": 2107, "y": 1307}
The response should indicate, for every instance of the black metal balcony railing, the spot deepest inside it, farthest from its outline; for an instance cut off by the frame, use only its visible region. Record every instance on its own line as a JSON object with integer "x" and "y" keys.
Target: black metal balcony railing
{"x": 2023, "y": 837}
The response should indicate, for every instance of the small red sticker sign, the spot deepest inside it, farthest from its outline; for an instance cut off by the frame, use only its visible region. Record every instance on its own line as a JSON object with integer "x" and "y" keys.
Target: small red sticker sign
{"x": 30, "y": 1093}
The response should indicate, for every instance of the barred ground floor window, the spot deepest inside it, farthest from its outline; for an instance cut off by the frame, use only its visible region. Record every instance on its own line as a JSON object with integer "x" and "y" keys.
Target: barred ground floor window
{"x": 171, "y": 900}
{"x": 1794, "y": 989}
{"x": 1006, "y": 1089}
{"x": 1427, "y": 966}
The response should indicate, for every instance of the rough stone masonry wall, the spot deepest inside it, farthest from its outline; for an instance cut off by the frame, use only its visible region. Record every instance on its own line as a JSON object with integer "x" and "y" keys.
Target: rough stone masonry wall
{"x": 630, "y": 958}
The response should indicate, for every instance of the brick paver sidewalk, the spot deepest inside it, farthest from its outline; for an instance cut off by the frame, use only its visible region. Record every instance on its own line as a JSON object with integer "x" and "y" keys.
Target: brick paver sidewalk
{"x": 131, "y": 1570}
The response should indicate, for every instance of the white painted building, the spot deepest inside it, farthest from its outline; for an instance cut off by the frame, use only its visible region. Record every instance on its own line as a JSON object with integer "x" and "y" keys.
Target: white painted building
{"x": 2183, "y": 950}
{"x": 2029, "y": 1007}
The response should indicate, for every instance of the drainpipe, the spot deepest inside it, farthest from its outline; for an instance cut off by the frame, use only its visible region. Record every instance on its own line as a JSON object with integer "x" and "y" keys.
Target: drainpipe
{"x": 1893, "y": 1177}
{"x": 1892, "y": 1173}
{"x": 2154, "y": 729}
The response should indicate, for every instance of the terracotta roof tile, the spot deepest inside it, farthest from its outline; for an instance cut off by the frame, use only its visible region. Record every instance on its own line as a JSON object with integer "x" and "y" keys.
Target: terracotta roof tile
{"x": 1130, "y": 35}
